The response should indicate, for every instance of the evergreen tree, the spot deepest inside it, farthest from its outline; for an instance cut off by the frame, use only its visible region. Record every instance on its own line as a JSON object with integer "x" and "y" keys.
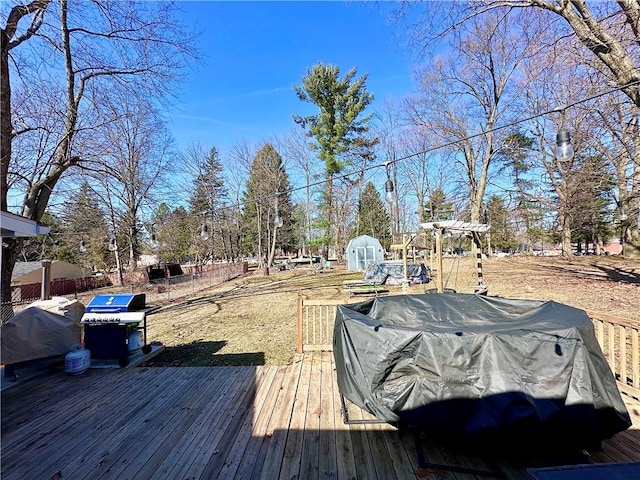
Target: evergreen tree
{"x": 84, "y": 232}
{"x": 173, "y": 231}
{"x": 437, "y": 206}
{"x": 374, "y": 218}
{"x": 207, "y": 203}
{"x": 590, "y": 189}
{"x": 339, "y": 126}
{"x": 502, "y": 232}
{"x": 515, "y": 155}
{"x": 267, "y": 189}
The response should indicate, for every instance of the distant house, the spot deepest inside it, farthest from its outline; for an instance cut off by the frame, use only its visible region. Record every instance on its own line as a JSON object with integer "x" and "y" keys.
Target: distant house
{"x": 362, "y": 251}
{"x": 25, "y": 273}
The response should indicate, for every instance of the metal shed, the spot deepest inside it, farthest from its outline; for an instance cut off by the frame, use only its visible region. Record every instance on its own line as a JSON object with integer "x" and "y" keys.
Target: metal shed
{"x": 363, "y": 250}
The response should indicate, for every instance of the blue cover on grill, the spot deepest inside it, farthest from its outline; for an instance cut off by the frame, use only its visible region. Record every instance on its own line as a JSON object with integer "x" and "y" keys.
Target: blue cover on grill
{"x": 117, "y": 302}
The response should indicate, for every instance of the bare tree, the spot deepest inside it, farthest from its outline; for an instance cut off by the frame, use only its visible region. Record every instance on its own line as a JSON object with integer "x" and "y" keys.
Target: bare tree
{"x": 136, "y": 156}
{"x": 608, "y": 30}
{"x": 388, "y": 130}
{"x": 603, "y": 39}
{"x": 465, "y": 95}
{"x": 544, "y": 76}
{"x": 423, "y": 171}
{"x": 298, "y": 155}
{"x": 619, "y": 144}
{"x": 236, "y": 170}
{"x": 93, "y": 49}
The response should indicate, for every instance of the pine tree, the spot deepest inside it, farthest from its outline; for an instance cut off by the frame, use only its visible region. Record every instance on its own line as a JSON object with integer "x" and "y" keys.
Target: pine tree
{"x": 207, "y": 203}
{"x": 339, "y": 126}
{"x": 173, "y": 231}
{"x": 502, "y": 231}
{"x": 437, "y": 206}
{"x": 590, "y": 191}
{"x": 267, "y": 187}
{"x": 84, "y": 231}
{"x": 373, "y": 217}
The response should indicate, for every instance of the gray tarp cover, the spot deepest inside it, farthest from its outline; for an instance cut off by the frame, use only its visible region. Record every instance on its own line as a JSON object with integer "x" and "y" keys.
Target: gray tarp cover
{"x": 474, "y": 366}
{"x": 391, "y": 272}
{"x": 35, "y": 333}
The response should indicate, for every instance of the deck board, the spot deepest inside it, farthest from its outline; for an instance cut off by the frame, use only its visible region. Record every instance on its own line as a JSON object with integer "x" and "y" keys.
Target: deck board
{"x": 291, "y": 460}
{"x": 184, "y": 452}
{"x": 263, "y": 422}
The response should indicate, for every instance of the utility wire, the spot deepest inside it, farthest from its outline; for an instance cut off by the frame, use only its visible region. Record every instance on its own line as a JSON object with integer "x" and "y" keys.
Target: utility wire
{"x": 451, "y": 143}
{"x": 472, "y": 136}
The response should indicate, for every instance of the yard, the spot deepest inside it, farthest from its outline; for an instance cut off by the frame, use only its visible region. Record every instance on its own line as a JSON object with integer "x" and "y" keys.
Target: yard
{"x": 282, "y": 418}
{"x": 252, "y": 320}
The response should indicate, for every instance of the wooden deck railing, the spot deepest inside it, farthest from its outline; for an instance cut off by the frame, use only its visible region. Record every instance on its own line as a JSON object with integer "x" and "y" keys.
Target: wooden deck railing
{"x": 315, "y": 323}
{"x": 618, "y": 338}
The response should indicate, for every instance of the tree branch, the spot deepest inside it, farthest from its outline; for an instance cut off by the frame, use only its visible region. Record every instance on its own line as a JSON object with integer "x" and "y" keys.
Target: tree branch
{"x": 37, "y": 7}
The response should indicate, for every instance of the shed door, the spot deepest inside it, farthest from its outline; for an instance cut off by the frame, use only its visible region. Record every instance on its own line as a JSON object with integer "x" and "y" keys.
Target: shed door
{"x": 364, "y": 256}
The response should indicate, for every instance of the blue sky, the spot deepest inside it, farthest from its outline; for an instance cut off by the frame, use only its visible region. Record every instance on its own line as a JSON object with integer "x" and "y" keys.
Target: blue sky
{"x": 255, "y": 51}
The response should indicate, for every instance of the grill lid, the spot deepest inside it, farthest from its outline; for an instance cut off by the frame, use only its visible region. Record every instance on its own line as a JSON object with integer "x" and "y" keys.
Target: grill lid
{"x": 117, "y": 302}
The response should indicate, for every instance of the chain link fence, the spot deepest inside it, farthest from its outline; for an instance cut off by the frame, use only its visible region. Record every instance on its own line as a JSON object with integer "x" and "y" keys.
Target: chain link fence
{"x": 158, "y": 292}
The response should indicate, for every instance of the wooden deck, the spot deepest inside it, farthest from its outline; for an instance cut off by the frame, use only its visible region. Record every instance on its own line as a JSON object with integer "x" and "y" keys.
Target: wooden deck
{"x": 225, "y": 422}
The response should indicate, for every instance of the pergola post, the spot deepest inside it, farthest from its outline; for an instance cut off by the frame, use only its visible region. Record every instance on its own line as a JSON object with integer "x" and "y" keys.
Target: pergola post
{"x": 439, "y": 267}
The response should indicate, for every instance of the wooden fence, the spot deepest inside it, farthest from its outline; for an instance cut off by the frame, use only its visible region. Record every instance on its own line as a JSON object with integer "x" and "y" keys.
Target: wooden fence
{"x": 59, "y": 287}
{"x": 618, "y": 338}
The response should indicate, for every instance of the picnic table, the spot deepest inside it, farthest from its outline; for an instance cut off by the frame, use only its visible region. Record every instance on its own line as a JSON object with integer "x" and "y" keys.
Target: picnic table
{"x": 364, "y": 288}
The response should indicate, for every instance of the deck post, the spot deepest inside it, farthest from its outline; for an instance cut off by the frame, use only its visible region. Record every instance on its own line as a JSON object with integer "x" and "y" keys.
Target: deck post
{"x": 299, "y": 341}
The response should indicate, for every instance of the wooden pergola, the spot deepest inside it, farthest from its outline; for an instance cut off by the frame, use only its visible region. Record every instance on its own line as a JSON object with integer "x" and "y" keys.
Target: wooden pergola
{"x": 457, "y": 227}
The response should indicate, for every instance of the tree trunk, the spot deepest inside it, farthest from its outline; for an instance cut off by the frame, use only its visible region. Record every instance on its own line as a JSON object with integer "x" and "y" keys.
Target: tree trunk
{"x": 329, "y": 217}
{"x": 632, "y": 243}
{"x": 119, "y": 267}
{"x": 259, "y": 223}
{"x": 9, "y": 254}
{"x": 5, "y": 127}
{"x": 567, "y": 250}
{"x": 272, "y": 250}
{"x": 133, "y": 262}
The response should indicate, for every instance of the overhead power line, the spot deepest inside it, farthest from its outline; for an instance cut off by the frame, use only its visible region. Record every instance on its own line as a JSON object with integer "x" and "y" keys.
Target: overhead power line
{"x": 386, "y": 163}
{"x": 472, "y": 136}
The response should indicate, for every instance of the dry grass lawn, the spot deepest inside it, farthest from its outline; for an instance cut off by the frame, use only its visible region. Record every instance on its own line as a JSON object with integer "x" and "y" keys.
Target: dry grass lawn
{"x": 252, "y": 319}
